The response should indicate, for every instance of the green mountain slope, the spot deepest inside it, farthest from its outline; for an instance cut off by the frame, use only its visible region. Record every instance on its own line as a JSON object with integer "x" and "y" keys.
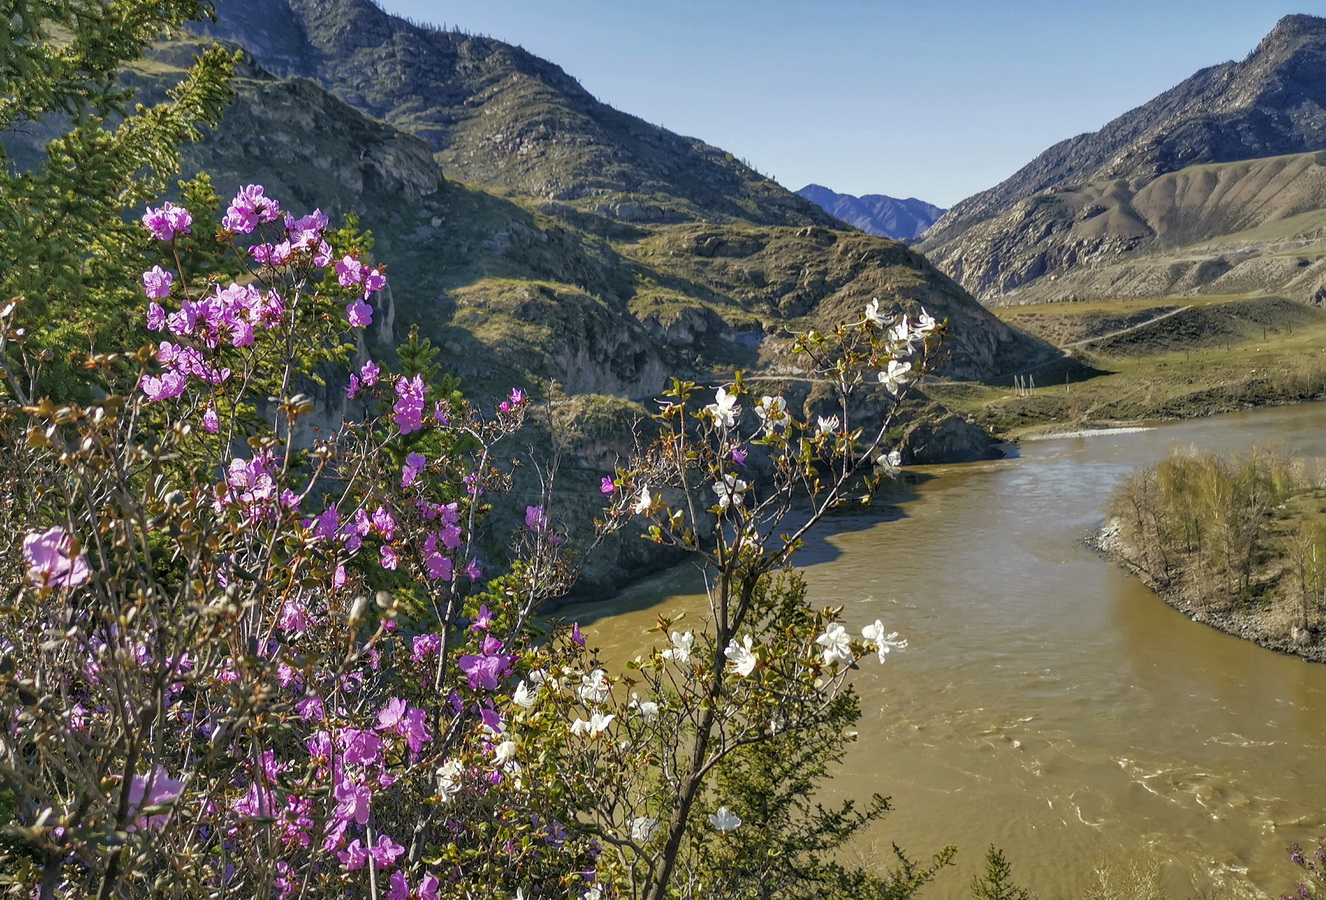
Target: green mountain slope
{"x": 505, "y": 120}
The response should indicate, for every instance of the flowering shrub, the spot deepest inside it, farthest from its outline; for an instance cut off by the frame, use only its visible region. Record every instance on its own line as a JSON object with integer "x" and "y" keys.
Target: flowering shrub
{"x": 244, "y": 657}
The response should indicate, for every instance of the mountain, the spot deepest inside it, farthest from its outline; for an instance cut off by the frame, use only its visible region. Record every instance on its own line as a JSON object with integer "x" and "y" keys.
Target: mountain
{"x": 504, "y": 120}
{"x": 1114, "y": 195}
{"x": 875, "y": 213}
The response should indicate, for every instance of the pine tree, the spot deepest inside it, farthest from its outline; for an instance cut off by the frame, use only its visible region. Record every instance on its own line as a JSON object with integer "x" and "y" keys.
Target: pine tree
{"x": 997, "y": 882}
{"x": 68, "y": 229}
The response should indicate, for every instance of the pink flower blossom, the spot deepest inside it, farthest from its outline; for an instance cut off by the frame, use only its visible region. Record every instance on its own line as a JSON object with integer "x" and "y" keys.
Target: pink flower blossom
{"x": 608, "y": 486}
{"x": 157, "y": 789}
{"x": 359, "y": 314}
{"x": 389, "y": 558}
{"x": 166, "y": 222}
{"x": 157, "y": 282}
{"x": 414, "y": 466}
{"x": 51, "y": 559}
{"x": 409, "y": 407}
{"x": 211, "y": 422}
{"x": 535, "y": 518}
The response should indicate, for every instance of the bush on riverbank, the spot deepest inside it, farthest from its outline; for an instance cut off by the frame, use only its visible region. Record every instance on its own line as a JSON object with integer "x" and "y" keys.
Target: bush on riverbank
{"x": 1230, "y": 536}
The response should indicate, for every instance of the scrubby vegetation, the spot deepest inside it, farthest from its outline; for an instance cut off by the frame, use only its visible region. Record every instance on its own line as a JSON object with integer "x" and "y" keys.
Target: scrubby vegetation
{"x": 1237, "y": 541}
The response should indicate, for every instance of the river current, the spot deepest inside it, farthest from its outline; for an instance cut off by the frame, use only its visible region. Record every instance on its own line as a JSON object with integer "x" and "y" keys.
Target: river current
{"x": 1049, "y": 703}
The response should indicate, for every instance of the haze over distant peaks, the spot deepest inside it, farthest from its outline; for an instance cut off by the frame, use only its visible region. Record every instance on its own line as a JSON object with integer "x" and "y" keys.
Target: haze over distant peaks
{"x": 875, "y": 213}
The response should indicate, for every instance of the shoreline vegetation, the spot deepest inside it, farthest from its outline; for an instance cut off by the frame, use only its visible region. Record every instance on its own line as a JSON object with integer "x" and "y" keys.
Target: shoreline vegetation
{"x": 1234, "y": 542}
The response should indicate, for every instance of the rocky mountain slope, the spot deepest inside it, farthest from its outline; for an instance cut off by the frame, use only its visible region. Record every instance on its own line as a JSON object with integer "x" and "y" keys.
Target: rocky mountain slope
{"x": 502, "y": 119}
{"x": 1145, "y": 183}
{"x": 875, "y": 213}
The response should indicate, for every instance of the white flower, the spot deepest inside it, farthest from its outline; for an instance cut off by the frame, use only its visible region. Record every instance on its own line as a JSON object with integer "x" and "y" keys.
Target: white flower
{"x": 773, "y": 413}
{"x": 888, "y": 463}
{"x": 594, "y": 893}
{"x": 680, "y": 651}
{"x": 883, "y": 642}
{"x": 873, "y": 315}
{"x": 643, "y": 828}
{"x": 742, "y": 656}
{"x": 594, "y": 687}
{"x": 724, "y": 820}
{"x": 731, "y": 491}
{"x": 827, "y": 425}
{"x": 504, "y": 751}
{"x": 837, "y": 644}
{"x": 643, "y": 502}
{"x": 895, "y": 378}
{"x": 925, "y": 324}
{"x": 724, "y": 409}
{"x": 597, "y": 724}
{"x": 648, "y": 708}
{"x": 525, "y": 695}
{"x": 448, "y": 779}
{"x": 900, "y": 333}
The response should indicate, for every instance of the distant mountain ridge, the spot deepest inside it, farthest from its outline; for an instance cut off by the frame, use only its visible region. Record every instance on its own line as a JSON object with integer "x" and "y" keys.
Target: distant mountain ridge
{"x": 875, "y": 213}
{"x": 1031, "y": 226}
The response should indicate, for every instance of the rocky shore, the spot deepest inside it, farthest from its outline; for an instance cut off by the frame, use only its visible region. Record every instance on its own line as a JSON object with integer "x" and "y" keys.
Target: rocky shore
{"x": 1253, "y": 624}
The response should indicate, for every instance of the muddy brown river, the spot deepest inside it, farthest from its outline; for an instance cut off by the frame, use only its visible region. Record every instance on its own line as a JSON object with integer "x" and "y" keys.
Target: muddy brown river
{"x": 1049, "y": 703}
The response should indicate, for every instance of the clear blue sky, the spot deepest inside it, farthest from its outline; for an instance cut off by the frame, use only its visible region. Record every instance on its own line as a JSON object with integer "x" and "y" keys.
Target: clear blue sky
{"x": 935, "y": 99}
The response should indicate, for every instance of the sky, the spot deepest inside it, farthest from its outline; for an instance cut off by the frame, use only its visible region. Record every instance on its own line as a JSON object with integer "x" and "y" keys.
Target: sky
{"x": 933, "y": 99}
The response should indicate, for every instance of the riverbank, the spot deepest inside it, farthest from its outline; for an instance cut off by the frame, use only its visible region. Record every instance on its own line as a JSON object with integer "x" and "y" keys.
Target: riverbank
{"x": 1224, "y": 354}
{"x": 1263, "y": 625}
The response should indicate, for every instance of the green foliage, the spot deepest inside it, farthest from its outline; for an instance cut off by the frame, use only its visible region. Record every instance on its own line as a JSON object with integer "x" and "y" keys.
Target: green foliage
{"x": 72, "y": 254}
{"x": 996, "y": 883}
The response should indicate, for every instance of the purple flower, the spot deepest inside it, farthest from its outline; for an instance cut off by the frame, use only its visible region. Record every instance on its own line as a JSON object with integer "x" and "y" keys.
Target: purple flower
{"x": 389, "y": 558}
{"x": 535, "y": 518}
{"x": 361, "y": 748}
{"x": 483, "y": 621}
{"x": 349, "y": 272}
{"x": 386, "y": 851}
{"x": 354, "y": 857}
{"x": 398, "y": 888}
{"x": 415, "y": 464}
{"x": 374, "y": 281}
{"x": 608, "y": 486}
{"x": 414, "y": 726}
{"x": 576, "y": 637}
{"x": 157, "y": 789}
{"x": 353, "y": 387}
{"x": 472, "y": 571}
{"x": 484, "y": 672}
{"x": 294, "y": 618}
{"x": 383, "y": 523}
{"x": 211, "y": 422}
{"x": 165, "y": 222}
{"x": 311, "y": 709}
{"x": 338, "y": 579}
{"x": 50, "y": 559}
{"x": 368, "y": 373}
{"x": 409, "y": 407}
{"x": 392, "y": 713}
{"x": 517, "y": 396}
{"x": 166, "y": 387}
{"x": 426, "y": 645}
{"x": 248, "y": 208}
{"x": 156, "y": 317}
{"x": 156, "y": 283}
{"x": 359, "y": 314}
{"x": 739, "y": 456}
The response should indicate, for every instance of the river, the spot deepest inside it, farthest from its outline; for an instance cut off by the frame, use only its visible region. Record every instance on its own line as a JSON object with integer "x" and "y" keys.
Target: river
{"x": 1048, "y": 702}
